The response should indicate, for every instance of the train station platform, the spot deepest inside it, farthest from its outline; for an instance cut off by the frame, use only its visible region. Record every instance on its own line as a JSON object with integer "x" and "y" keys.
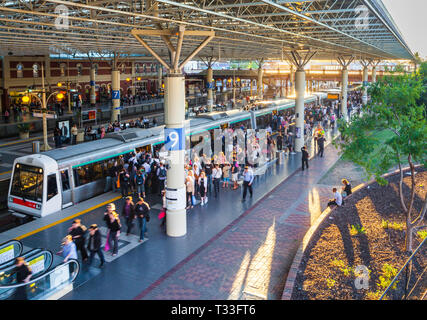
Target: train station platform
{"x": 232, "y": 249}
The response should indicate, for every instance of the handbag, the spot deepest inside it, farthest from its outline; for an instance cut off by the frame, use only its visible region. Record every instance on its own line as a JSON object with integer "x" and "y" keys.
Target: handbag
{"x": 193, "y": 200}
{"x": 161, "y": 215}
{"x": 107, "y": 244}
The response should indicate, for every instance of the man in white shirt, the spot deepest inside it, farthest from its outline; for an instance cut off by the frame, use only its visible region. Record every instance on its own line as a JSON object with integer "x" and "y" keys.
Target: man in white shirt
{"x": 337, "y": 201}
{"x": 216, "y": 176}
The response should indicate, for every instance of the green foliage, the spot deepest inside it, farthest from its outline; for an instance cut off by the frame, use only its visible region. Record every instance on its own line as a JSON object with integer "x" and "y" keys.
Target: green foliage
{"x": 356, "y": 229}
{"x": 346, "y": 270}
{"x": 24, "y": 127}
{"x": 337, "y": 263}
{"x": 330, "y": 283}
{"x": 392, "y": 225}
{"x": 390, "y": 128}
{"x": 371, "y": 295}
{"x": 422, "y": 234}
{"x": 387, "y": 275}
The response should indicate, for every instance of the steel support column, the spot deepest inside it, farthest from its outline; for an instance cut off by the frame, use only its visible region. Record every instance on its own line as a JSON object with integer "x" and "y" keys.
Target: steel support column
{"x": 92, "y": 86}
{"x": 299, "y": 108}
{"x": 115, "y": 94}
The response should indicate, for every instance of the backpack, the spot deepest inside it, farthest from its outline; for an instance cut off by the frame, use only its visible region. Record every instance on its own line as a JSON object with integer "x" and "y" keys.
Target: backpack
{"x": 139, "y": 180}
{"x": 162, "y": 173}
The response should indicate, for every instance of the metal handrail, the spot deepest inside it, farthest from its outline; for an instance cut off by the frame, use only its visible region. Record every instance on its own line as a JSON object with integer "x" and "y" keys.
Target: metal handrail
{"x": 404, "y": 266}
{"x": 46, "y": 274}
{"x": 46, "y": 253}
{"x": 25, "y": 255}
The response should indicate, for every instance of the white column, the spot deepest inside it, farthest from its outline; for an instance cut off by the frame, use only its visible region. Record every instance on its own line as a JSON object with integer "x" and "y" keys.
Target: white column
{"x": 115, "y": 87}
{"x": 92, "y": 86}
{"x": 344, "y": 86}
{"x": 374, "y": 74}
{"x": 292, "y": 80}
{"x": 260, "y": 85}
{"x": 282, "y": 82}
{"x": 209, "y": 81}
{"x": 299, "y": 108}
{"x": 365, "y": 81}
{"x": 176, "y": 222}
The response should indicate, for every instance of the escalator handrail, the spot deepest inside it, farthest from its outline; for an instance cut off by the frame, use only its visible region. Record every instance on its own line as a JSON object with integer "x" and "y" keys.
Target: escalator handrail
{"x": 44, "y": 274}
{"x": 43, "y": 252}
{"x": 26, "y": 255}
{"x": 8, "y": 243}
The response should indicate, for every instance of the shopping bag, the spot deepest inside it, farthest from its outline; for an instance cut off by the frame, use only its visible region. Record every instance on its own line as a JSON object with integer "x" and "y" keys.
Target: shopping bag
{"x": 107, "y": 244}
{"x": 193, "y": 200}
{"x": 162, "y": 214}
{"x": 118, "y": 183}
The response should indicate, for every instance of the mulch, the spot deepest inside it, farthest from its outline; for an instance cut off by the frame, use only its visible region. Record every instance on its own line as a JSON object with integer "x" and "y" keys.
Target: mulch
{"x": 317, "y": 279}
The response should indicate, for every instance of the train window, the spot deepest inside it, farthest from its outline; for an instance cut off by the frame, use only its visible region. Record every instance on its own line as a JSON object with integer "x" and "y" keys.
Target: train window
{"x": 27, "y": 182}
{"x": 65, "y": 180}
{"x": 52, "y": 187}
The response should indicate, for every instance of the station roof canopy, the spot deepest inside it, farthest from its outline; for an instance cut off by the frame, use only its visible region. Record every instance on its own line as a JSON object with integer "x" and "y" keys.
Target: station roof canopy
{"x": 244, "y": 29}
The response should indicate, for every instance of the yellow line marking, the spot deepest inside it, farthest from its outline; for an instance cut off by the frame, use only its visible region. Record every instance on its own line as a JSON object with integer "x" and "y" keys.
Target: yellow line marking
{"x": 67, "y": 218}
{"x": 22, "y": 141}
{"x": 5, "y": 172}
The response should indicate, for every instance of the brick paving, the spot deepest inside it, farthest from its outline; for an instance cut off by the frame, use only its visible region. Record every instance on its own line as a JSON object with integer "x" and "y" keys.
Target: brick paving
{"x": 250, "y": 258}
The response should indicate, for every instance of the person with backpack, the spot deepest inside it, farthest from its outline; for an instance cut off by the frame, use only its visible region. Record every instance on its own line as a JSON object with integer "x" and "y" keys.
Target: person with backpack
{"x": 78, "y": 233}
{"x": 142, "y": 211}
{"x": 140, "y": 183}
{"x": 161, "y": 175}
{"x": 128, "y": 212}
{"x": 124, "y": 182}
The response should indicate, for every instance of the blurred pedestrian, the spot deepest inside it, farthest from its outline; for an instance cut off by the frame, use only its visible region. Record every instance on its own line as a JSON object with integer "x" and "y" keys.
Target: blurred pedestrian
{"x": 94, "y": 245}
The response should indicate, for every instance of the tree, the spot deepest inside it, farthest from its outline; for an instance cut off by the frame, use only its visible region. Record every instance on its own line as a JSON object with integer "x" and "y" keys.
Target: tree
{"x": 392, "y": 130}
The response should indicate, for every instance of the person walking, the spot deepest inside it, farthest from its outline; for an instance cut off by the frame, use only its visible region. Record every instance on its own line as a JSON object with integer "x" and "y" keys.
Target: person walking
{"x": 226, "y": 174}
{"x": 203, "y": 186}
{"x": 140, "y": 183}
{"x": 112, "y": 220}
{"x": 57, "y": 136}
{"x": 161, "y": 175}
{"x": 78, "y": 233}
{"x": 124, "y": 182}
{"x": 248, "y": 178}
{"x": 74, "y": 132}
{"x": 94, "y": 245}
{"x": 216, "y": 175}
{"x": 128, "y": 212}
{"x": 304, "y": 158}
{"x": 208, "y": 171}
{"x": 142, "y": 211}
{"x": 279, "y": 142}
{"x": 189, "y": 185}
{"x": 235, "y": 174}
{"x": 321, "y": 144}
{"x": 69, "y": 250}
{"x": 23, "y": 274}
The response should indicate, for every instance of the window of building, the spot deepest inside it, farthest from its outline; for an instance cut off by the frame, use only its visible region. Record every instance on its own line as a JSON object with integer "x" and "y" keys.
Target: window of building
{"x": 79, "y": 69}
{"x": 137, "y": 68}
{"x": 52, "y": 187}
{"x": 19, "y": 70}
{"x": 62, "y": 68}
{"x": 35, "y": 70}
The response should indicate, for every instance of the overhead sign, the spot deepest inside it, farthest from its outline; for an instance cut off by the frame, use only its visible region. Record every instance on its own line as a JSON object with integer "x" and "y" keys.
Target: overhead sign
{"x": 49, "y": 114}
{"x": 116, "y": 94}
{"x": 333, "y": 96}
{"x": 175, "y": 139}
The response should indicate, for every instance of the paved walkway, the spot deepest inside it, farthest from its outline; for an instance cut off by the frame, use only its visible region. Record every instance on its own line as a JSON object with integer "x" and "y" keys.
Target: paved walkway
{"x": 249, "y": 258}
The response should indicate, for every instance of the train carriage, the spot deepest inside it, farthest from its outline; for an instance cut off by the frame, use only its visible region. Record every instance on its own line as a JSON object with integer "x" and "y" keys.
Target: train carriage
{"x": 45, "y": 183}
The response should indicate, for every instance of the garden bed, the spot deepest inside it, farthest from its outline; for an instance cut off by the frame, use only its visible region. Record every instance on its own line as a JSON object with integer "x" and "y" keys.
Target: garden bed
{"x": 369, "y": 231}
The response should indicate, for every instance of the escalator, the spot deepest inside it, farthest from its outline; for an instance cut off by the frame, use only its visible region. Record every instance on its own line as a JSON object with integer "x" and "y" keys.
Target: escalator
{"x": 45, "y": 283}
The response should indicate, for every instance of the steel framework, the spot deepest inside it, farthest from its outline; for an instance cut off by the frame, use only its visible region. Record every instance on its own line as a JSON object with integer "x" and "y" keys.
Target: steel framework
{"x": 245, "y": 29}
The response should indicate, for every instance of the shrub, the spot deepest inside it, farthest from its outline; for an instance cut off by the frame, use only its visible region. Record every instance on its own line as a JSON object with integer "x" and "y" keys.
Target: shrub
{"x": 422, "y": 234}
{"x": 330, "y": 283}
{"x": 387, "y": 275}
{"x": 356, "y": 229}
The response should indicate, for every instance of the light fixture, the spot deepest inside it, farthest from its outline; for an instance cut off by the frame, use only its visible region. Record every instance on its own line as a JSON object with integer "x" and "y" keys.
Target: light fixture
{"x": 25, "y": 99}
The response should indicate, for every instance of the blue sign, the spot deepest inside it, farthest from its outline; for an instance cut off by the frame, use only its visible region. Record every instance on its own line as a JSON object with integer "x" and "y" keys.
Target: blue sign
{"x": 210, "y": 85}
{"x": 92, "y": 83}
{"x": 116, "y": 94}
{"x": 175, "y": 139}
{"x": 119, "y": 108}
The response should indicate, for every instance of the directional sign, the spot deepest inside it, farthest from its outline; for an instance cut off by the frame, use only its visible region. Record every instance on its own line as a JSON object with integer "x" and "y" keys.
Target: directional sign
{"x": 175, "y": 139}
{"x": 116, "y": 94}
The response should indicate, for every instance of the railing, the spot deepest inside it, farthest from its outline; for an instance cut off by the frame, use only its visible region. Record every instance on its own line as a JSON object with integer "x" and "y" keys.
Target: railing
{"x": 409, "y": 280}
{"x": 48, "y": 283}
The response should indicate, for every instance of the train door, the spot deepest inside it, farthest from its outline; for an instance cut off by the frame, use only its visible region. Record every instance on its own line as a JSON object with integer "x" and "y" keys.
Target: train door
{"x": 53, "y": 195}
{"x": 66, "y": 188}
